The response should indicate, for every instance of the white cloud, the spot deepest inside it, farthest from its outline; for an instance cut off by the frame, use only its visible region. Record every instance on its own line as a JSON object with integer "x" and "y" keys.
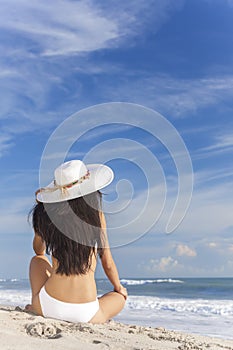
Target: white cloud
{"x": 163, "y": 264}
{"x": 59, "y": 28}
{"x": 212, "y": 245}
{"x": 64, "y": 27}
{"x": 184, "y": 250}
{"x": 158, "y": 256}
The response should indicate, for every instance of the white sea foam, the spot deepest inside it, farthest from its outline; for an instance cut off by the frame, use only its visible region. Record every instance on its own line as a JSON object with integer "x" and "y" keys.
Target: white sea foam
{"x": 213, "y": 318}
{"x": 15, "y": 297}
{"x": 152, "y": 304}
{"x": 203, "y": 307}
{"x": 9, "y": 280}
{"x": 208, "y": 317}
{"x": 186, "y": 306}
{"x": 130, "y": 282}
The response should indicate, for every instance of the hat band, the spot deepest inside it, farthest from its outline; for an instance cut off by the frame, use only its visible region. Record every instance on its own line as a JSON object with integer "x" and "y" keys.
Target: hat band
{"x": 63, "y": 188}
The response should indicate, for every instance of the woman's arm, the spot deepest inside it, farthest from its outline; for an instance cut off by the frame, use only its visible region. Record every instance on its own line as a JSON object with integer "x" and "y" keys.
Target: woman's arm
{"x": 109, "y": 265}
{"x": 110, "y": 269}
{"x": 38, "y": 245}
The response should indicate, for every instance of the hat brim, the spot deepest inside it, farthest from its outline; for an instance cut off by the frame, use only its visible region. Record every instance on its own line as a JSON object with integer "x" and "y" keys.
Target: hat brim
{"x": 100, "y": 177}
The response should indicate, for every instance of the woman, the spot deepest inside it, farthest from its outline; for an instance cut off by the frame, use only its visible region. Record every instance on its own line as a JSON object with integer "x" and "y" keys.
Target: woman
{"x": 69, "y": 224}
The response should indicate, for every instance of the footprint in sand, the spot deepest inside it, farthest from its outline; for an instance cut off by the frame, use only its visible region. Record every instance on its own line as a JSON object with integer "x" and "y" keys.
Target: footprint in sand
{"x": 101, "y": 345}
{"x": 43, "y": 330}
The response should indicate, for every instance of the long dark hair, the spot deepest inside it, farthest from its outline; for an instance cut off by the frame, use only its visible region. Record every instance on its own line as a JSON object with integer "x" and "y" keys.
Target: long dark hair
{"x": 71, "y": 231}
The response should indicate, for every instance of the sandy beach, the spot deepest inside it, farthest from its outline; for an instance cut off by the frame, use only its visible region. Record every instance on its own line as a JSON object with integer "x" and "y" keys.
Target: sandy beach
{"x": 23, "y": 330}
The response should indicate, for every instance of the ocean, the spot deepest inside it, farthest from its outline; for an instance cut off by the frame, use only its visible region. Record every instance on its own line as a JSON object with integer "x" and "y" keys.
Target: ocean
{"x": 195, "y": 305}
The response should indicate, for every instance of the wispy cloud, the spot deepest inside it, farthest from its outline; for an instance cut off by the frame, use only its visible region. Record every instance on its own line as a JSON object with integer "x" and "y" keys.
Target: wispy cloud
{"x": 58, "y": 28}
{"x": 223, "y": 173}
{"x": 65, "y": 27}
{"x": 219, "y": 145}
{"x": 176, "y": 97}
{"x": 212, "y": 209}
{"x": 221, "y": 141}
{"x": 45, "y": 47}
{"x": 5, "y": 144}
{"x": 13, "y": 215}
{"x": 38, "y": 34}
{"x": 32, "y": 81}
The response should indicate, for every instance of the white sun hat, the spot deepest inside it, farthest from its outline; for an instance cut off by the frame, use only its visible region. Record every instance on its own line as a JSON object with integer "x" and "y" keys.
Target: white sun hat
{"x": 74, "y": 179}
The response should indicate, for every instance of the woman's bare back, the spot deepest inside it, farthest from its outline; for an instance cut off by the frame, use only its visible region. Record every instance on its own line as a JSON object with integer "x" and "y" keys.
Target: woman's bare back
{"x": 73, "y": 288}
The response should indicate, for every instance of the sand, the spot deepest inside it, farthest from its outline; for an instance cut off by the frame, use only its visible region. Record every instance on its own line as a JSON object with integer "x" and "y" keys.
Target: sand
{"x": 23, "y": 330}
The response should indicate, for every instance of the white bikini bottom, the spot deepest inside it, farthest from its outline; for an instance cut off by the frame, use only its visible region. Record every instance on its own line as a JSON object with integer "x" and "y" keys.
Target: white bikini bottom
{"x": 53, "y": 308}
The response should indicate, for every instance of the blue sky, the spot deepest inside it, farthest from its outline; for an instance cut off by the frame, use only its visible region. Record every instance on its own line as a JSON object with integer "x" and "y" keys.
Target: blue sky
{"x": 175, "y": 57}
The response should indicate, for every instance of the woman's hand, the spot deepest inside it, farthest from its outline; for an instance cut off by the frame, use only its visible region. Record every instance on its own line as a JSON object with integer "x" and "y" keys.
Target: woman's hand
{"x": 122, "y": 290}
